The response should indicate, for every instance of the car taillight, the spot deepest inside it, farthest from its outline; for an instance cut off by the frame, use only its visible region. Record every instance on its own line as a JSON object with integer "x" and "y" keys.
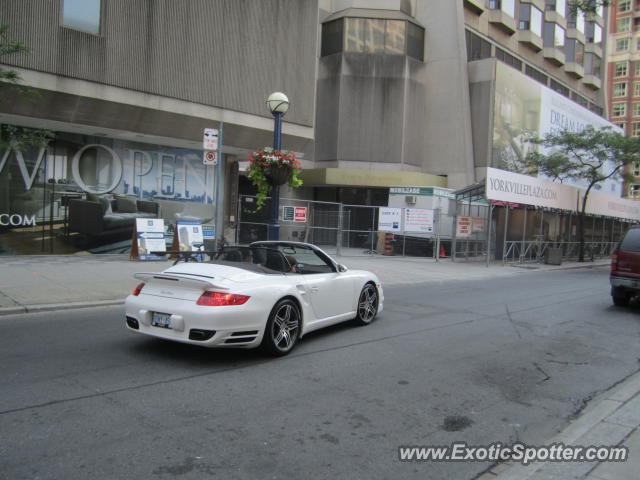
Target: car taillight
{"x": 614, "y": 262}
{"x": 218, "y": 299}
{"x": 137, "y": 290}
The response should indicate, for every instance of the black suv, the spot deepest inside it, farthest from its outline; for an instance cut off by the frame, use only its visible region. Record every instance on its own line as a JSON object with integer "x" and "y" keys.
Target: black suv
{"x": 625, "y": 268}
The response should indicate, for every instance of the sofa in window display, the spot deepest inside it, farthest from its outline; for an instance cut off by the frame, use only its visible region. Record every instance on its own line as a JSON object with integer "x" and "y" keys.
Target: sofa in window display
{"x": 101, "y": 215}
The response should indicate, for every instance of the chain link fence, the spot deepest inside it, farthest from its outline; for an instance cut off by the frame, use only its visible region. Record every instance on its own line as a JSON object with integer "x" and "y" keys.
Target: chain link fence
{"x": 347, "y": 230}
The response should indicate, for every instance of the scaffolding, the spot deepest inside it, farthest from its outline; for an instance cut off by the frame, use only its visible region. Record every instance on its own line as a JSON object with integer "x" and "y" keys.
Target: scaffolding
{"x": 518, "y": 233}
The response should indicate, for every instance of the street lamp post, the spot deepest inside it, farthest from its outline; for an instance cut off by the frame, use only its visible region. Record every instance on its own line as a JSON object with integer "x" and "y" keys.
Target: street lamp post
{"x": 278, "y": 104}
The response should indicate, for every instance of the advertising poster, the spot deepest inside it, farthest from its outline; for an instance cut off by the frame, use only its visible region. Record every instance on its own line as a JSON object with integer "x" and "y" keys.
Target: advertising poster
{"x": 190, "y": 237}
{"x": 524, "y": 109}
{"x": 150, "y": 238}
{"x": 389, "y": 219}
{"x": 418, "y": 220}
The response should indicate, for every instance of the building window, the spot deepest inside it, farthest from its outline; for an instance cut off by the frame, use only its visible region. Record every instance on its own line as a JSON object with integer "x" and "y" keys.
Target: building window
{"x": 579, "y": 99}
{"x": 561, "y": 89}
{"x": 553, "y": 35}
{"x": 624, "y": 6}
{"x": 592, "y": 64}
{"x": 374, "y": 36}
{"x": 593, "y": 33}
{"x": 619, "y": 109}
{"x": 623, "y": 24}
{"x": 536, "y": 74}
{"x": 477, "y": 47}
{"x": 575, "y": 51}
{"x": 635, "y": 129}
{"x": 507, "y": 6}
{"x": 597, "y": 109}
{"x": 580, "y": 23}
{"x": 364, "y": 35}
{"x": 332, "y": 37}
{"x": 635, "y": 169}
{"x": 636, "y": 109}
{"x": 415, "y": 41}
{"x": 559, "y": 6}
{"x": 508, "y": 59}
{"x": 576, "y": 21}
{"x": 622, "y": 44}
{"x": 619, "y": 125}
{"x": 530, "y": 19}
{"x": 620, "y": 89}
{"x": 621, "y": 69}
{"x": 636, "y": 89}
{"x": 82, "y": 15}
{"x": 634, "y": 190}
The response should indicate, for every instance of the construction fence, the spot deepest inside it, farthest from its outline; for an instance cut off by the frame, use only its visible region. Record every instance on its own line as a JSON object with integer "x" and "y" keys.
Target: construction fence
{"x": 341, "y": 229}
{"x": 474, "y": 229}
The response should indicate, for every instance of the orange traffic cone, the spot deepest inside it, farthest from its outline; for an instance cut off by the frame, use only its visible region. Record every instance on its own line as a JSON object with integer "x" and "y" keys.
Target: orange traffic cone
{"x": 442, "y": 253}
{"x": 388, "y": 244}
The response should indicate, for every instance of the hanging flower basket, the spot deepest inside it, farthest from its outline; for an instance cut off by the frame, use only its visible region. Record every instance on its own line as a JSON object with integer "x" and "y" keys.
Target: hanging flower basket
{"x": 269, "y": 168}
{"x": 278, "y": 175}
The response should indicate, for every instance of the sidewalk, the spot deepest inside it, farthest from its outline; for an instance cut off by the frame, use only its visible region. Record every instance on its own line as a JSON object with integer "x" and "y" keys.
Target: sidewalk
{"x": 37, "y": 283}
{"x": 610, "y": 419}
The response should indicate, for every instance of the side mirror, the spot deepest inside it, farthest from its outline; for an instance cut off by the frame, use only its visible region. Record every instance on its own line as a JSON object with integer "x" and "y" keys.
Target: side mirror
{"x": 342, "y": 268}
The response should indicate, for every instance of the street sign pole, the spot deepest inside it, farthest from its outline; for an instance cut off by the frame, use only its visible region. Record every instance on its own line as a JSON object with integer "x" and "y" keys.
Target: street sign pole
{"x": 218, "y": 172}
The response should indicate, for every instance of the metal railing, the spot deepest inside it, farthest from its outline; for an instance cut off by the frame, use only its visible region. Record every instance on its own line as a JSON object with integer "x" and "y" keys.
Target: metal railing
{"x": 518, "y": 251}
{"x": 348, "y": 230}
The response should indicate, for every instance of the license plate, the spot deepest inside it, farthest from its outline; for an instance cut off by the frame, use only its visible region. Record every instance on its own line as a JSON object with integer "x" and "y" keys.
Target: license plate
{"x": 162, "y": 320}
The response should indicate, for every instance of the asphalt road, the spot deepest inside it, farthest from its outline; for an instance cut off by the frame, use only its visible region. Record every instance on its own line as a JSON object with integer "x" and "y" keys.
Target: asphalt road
{"x": 507, "y": 359}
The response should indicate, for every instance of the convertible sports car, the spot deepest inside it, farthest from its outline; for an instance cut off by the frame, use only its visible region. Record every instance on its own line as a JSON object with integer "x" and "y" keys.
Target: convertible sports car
{"x": 268, "y": 294}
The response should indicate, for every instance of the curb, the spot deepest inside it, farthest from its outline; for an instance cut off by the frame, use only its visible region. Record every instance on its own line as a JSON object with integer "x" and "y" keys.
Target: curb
{"x": 596, "y": 412}
{"x": 50, "y": 307}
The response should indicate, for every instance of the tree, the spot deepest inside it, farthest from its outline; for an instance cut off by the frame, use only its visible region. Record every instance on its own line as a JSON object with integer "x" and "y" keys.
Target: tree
{"x": 587, "y": 6}
{"x": 590, "y": 157}
{"x": 11, "y": 136}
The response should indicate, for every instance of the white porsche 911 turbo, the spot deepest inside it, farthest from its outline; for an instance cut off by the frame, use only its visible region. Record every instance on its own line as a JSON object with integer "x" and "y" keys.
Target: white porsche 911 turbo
{"x": 268, "y": 294}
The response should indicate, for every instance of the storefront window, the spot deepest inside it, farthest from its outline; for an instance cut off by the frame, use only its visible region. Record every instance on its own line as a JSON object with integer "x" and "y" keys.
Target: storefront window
{"x": 84, "y": 193}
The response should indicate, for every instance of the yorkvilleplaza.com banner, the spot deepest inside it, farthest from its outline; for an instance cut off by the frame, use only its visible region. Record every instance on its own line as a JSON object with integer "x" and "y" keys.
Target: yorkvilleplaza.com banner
{"x": 516, "y": 188}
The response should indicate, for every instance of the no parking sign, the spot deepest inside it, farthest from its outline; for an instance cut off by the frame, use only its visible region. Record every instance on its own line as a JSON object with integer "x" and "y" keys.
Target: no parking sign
{"x": 209, "y": 158}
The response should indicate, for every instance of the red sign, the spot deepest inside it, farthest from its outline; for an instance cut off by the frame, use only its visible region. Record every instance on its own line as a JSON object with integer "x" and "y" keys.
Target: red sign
{"x": 463, "y": 228}
{"x": 209, "y": 158}
{"x": 300, "y": 214}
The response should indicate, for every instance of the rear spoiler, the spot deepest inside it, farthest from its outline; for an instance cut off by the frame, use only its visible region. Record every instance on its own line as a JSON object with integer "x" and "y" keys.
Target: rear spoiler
{"x": 184, "y": 280}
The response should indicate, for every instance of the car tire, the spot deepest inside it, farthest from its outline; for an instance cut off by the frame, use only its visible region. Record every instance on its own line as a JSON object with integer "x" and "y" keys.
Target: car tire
{"x": 619, "y": 299}
{"x": 283, "y": 328}
{"x": 367, "y": 307}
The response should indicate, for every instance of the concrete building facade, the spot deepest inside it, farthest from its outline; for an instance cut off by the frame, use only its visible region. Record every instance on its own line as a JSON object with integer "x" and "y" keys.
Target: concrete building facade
{"x": 383, "y": 93}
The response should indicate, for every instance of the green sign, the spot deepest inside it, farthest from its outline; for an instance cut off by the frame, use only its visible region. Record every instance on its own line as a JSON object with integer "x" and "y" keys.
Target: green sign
{"x": 426, "y": 191}
{"x": 288, "y": 213}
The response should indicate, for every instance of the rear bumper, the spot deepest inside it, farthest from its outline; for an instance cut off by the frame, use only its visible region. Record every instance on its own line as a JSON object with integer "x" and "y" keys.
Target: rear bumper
{"x": 233, "y": 326}
{"x": 624, "y": 282}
